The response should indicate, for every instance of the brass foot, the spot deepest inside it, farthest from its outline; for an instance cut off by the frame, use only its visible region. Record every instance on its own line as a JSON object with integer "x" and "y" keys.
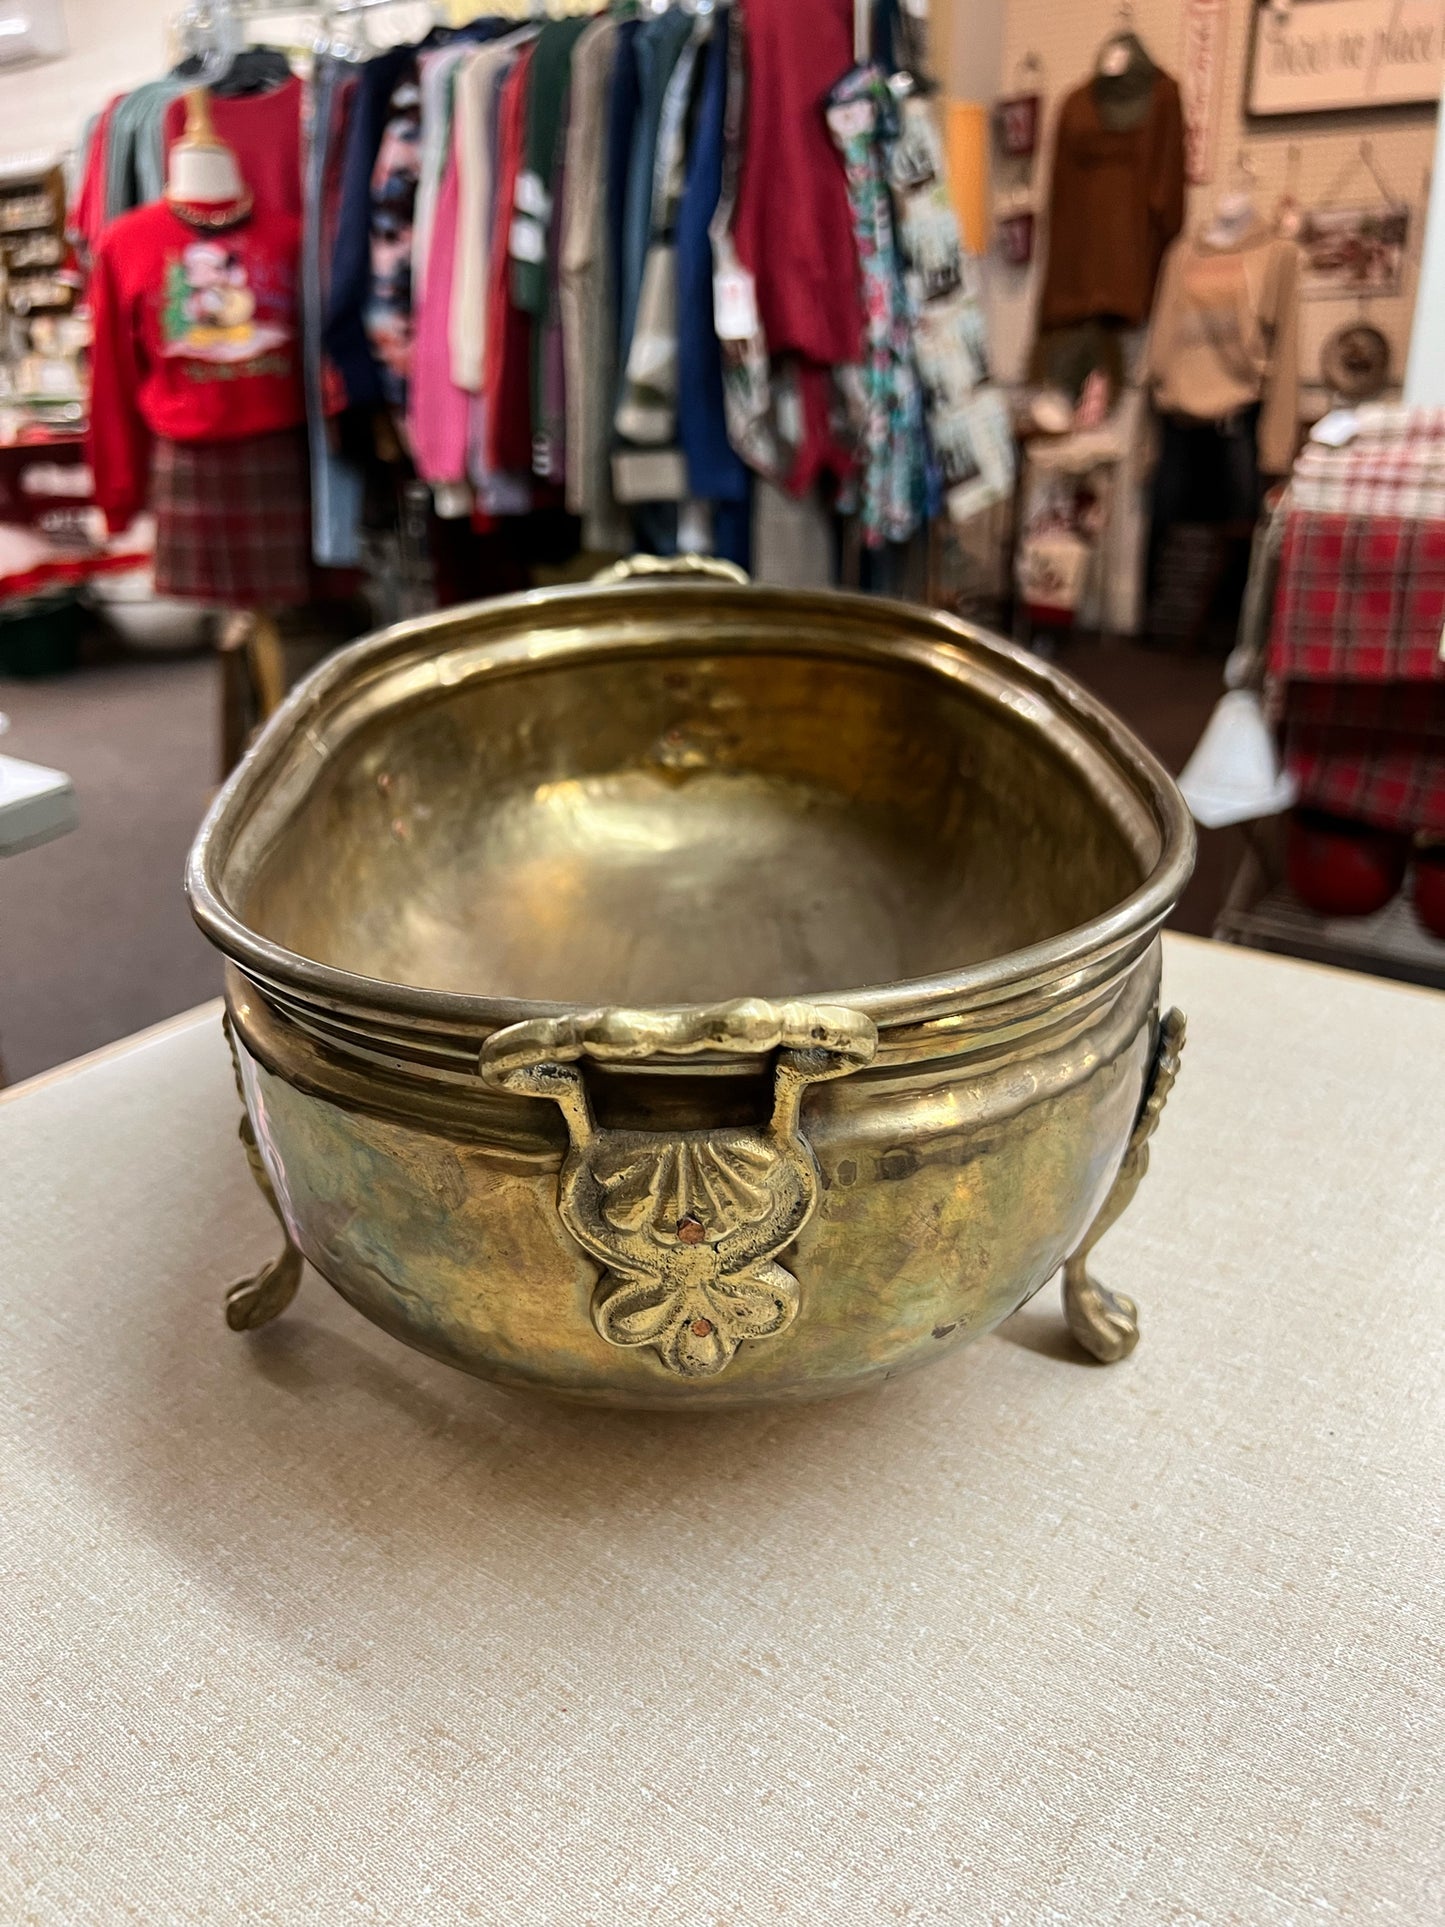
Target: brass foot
{"x": 1106, "y": 1323}
{"x": 252, "y": 1302}
{"x": 255, "y": 1301}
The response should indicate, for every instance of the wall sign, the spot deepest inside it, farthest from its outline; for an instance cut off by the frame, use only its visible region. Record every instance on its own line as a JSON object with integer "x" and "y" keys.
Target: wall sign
{"x": 1199, "y": 84}
{"x": 1319, "y": 56}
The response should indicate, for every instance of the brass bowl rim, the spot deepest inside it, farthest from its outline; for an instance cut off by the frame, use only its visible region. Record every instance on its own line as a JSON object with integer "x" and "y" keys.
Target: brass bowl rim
{"x": 1103, "y": 946}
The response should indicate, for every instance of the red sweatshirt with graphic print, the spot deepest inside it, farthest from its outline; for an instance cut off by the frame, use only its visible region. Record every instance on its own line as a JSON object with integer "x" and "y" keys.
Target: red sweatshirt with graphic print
{"x": 196, "y": 340}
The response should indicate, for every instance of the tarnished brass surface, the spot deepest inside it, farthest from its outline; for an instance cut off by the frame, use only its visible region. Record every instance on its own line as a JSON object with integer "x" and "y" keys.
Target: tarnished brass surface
{"x": 688, "y": 1223}
{"x": 826, "y": 926}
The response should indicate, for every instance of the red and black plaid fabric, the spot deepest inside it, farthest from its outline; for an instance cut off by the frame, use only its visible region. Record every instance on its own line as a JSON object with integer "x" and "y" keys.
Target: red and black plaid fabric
{"x": 1358, "y": 684}
{"x": 1371, "y": 751}
{"x": 1361, "y": 598}
{"x": 233, "y": 521}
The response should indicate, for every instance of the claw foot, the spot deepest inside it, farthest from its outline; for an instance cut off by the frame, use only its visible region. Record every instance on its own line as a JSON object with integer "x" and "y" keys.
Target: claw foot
{"x": 1104, "y": 1322}
{"x": 253, "y": 1302}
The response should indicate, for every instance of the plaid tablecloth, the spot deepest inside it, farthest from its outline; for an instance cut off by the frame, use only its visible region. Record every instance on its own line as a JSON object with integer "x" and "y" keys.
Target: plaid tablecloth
{"x": 1372, "y": 752}
{"x": 1394, "y": 465}
{"x": 1356, "y": 669}
{"x": 1361, "y": 598}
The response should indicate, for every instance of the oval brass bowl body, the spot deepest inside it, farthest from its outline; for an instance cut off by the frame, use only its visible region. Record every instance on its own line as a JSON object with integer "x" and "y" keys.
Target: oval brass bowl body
{"x": 679, "y": 992}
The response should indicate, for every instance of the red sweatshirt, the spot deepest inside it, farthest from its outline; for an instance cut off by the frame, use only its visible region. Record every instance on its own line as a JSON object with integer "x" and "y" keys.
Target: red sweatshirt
{"x": 792, "y": 225}
{"x": 507, "y": 362}
{"x": 195, "y": 341}
{"x": 264, "y": 133}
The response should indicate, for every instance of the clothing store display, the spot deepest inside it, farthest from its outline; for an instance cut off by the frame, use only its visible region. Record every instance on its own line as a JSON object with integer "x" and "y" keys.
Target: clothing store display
{"x": 589, "y": 331}
{"x": 1116, "y": 202}
{"x": 344, "y": 331}
{"x": 436, "y": 88}
{"x": 122, "y": 158}
{"x": 474, "y": 77}
{"x": 536, "y": 180}
{"x": 891, "y": 480}
{"x": 592, "y": 259}
{"x": 437, "y": 409}
{"x": 1208, "y": 471}
{"x": 387, "y": 315}
{"x": 716, "y": 473}
{"x": 655, "y": 52}
{"x": 233, "y": 520}
{"x": 975, "y": 460}
{"x": 623, "y": 101}
{"x": 793, "y": 227}
{"x": 337, "y": 485}
{"x": 139, "y": 132}
{"x": 794, "y": 539}
{"x": 646, "y": 416}
{"x": 264, "y": 130}
{"x": 1224, "y": 340}
{"x": 507, "y": 372}
{"x": 195, "y": 340}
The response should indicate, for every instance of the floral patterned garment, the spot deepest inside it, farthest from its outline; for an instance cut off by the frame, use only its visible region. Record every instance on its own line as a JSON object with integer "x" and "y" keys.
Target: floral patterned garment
{"x": 892, "y": 455}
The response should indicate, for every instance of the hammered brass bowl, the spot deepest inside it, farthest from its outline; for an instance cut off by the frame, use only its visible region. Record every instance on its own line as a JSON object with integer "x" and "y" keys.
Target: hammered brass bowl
{"x": 676, "y": 992}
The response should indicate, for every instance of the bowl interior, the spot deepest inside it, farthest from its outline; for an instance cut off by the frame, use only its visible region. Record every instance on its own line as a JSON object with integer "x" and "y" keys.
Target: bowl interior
{"x": 663, "y": 828}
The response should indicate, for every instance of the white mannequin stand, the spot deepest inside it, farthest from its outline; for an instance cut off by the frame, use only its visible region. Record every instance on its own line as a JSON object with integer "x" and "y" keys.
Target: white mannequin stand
{"x": 1234, "y": 215}
{"x": 202, "y": 171}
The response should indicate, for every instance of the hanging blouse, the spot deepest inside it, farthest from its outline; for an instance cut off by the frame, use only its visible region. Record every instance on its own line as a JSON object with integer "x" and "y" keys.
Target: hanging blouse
{"x": 892, "y": 484}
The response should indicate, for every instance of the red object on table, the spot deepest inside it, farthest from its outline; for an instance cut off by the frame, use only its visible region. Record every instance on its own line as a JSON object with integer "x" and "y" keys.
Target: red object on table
{"x": 1343, "y": 869}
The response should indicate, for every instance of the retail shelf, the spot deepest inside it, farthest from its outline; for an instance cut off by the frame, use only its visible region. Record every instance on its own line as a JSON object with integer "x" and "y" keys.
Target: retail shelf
{"x": 1392, "y": 943}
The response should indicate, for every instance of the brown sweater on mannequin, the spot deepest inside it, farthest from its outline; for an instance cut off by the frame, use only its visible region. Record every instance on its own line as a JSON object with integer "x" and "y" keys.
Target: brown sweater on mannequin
{"x": 1116, "y": 202}
{"x": 1225, "y": 335}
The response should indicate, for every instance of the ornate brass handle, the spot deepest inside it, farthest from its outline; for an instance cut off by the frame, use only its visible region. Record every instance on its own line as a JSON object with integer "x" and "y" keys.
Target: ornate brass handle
{"x": 687, "y": 1225}
{"x": 635, "y": 566}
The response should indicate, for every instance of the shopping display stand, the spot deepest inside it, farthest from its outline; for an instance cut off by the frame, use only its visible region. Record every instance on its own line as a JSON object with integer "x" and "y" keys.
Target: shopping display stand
{"x": 1261, "y": 912}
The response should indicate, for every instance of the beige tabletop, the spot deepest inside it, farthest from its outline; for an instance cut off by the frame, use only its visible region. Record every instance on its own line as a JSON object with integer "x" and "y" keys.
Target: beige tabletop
{"x": 303, "y": 1628}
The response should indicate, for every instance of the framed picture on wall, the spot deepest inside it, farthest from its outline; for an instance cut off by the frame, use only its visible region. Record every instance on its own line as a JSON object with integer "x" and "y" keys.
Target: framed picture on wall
{"x": 1353, "y": 250}
{"x": 1331, "y": 56}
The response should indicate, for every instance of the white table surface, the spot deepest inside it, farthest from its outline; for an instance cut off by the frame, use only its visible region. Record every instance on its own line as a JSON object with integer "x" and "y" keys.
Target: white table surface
{"x": 36, "y": 804}
{"x": 303, "y": 1628}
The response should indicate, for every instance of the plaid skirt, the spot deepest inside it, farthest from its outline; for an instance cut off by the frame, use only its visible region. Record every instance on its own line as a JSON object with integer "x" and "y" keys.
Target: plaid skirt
{"x": 233, "y": 520}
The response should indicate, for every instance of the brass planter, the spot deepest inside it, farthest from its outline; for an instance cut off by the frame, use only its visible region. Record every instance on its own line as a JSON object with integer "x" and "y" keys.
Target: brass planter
{"x": 677, "y": 992}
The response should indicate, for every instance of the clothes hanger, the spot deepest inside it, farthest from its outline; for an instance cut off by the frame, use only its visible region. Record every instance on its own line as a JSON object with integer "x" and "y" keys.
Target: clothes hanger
{"x": 1236, "y": 209}
{"x": 1363, "y": 157}
{"x": 1288, "y": 215}
{"x": 342, "y": 32}
{"x": 1123, "y": 52}
{"x": 208, "y": 32}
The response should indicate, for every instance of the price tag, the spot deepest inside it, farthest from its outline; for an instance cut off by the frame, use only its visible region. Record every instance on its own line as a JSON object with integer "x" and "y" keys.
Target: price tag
{"x": 528, "y": 242}
{"x": 734, "y": 304}
{"x": 532, "y": 196}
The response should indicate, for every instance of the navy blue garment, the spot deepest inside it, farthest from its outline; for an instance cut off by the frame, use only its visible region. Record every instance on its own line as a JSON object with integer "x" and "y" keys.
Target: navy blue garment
{"x": 658, "y": 48}
{"x": 623, "y": 102}
{"x": 344, "y": 332}
{"x": 715, "y": 472}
